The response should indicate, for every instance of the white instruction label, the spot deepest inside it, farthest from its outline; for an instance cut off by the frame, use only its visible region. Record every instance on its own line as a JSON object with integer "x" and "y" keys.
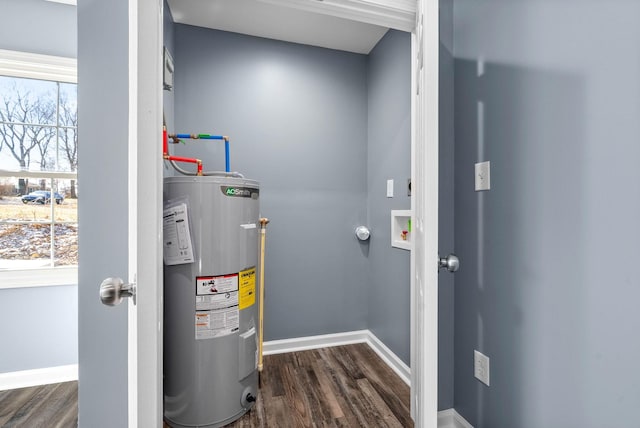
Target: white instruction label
{"x": 176, "y": 241}
{"x": 217, "y": 323}
{"x": 217, "y": 311}
{"x": 216, "y": 284}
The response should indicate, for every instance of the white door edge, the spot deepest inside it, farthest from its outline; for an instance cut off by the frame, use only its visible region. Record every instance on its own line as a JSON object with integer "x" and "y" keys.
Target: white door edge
{"x": 145, "y": 209}
{"x": 424, "y": 206}
{"x": 132, "y": 353}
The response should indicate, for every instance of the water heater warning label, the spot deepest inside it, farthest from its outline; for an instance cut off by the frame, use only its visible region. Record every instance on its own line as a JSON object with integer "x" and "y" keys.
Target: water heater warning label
{"x": 210, "y": 324}
{"x": 217, "y": 312}
{"x": 247, "y": 287}
{"x": 211, "y": 285}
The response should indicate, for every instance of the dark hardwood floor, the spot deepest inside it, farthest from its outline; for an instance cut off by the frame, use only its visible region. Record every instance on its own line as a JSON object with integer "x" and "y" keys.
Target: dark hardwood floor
{"x": 343, "y": 386}
{"x": 54, "y": 406}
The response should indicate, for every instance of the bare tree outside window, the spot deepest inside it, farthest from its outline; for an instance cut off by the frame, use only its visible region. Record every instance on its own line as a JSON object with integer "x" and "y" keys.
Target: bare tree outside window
{"x": 68, "y": 137}
{"x": 38, "y": 134}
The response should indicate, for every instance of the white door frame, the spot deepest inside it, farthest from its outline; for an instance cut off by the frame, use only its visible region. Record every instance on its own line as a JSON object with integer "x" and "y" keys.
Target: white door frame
{"x": 145, "y": 173}
{"x": 425, "y": 41}
{"x": 145, "y": 332}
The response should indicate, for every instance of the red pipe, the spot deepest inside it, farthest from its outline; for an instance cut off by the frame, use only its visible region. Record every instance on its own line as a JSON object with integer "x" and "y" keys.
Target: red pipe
{"x": 166, "y": 156}
{"x": 165, "y": 140}
{"x": 189, "y": 160}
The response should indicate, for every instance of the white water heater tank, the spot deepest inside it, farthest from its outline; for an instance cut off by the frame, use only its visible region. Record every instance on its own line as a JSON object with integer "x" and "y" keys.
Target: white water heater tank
{"x": 211, "y": 305}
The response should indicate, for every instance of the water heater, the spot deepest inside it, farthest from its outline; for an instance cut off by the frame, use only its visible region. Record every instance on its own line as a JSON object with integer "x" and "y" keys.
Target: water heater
{"x": 211, "y": 302}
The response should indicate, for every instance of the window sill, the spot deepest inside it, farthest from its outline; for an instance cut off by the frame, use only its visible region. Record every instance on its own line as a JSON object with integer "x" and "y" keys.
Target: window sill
{"x": 43, "y": 277}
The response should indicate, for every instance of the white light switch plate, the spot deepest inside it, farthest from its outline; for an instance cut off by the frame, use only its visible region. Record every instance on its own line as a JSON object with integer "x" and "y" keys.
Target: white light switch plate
{"x": 483, "y": 176}
{"x": 481, "y": 367}
{"x": 389, "y": 188}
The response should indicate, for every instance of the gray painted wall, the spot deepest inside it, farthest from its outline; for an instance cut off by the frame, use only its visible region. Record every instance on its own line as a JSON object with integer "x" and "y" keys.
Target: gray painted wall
{"x": 297, "y": 118}
{"x": 40, "y": 327}
{"x": 47, "y": 28}
{"x": 103, "y": 96}
{"x": 548, "y": 284}
{"x": 38, "y": 26}
{"x": 389, "y": 157}
{"x": 168, "y": 99}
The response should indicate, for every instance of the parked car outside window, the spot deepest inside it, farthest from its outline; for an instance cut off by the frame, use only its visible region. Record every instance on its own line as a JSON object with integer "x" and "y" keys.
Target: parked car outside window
{"x": 41, "y": 197}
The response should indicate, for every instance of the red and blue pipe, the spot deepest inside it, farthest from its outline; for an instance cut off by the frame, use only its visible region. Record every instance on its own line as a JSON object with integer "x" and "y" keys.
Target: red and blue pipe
{"x": 227, "y": 163}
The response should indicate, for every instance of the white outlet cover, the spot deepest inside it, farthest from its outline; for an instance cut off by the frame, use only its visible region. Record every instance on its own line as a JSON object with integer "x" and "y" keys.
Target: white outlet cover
{"x": 481, "y": 368}
{"x": 483, "y": 176}
{"x": 389, "y": 188}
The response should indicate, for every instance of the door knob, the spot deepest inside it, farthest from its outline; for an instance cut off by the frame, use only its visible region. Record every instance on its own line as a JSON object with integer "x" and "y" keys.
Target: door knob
{"x": 451, "y": 263}
{"x": 113, "y": 291}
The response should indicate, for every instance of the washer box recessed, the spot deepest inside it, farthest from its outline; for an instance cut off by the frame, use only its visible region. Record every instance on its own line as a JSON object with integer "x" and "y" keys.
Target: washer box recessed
{"x": 401, "y": 229}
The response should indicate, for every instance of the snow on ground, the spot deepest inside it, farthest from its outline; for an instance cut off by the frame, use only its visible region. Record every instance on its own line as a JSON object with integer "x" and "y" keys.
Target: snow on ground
{"x": 32, "y": 242}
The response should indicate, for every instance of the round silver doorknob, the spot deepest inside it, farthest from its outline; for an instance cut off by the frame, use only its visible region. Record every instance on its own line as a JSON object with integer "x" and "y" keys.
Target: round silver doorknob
{"x": 362, "y": 233}
{"x": 113, "y": 291}
{"x": 451, "y": 263}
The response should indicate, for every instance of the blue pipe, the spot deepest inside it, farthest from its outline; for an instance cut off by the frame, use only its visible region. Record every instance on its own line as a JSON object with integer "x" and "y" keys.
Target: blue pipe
{"x": 227, "y": 164}
{"x": 200, "y": 136}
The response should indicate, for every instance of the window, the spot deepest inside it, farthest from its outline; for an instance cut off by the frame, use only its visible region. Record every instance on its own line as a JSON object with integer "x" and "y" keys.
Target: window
{"x": 38, "y": 163}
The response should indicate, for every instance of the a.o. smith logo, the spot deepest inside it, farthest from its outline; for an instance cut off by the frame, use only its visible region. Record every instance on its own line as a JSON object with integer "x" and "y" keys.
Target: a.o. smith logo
{"x": 240, "y": 192}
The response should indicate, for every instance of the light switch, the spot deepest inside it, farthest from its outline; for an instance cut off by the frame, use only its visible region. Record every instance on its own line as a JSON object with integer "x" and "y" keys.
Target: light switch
{"x": 389, "y": 188}
{"x": 483, "y": 176}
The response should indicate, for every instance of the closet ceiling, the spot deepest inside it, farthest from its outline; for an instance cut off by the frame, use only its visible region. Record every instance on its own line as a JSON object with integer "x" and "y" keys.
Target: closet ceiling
{"x": 273, "y": 21}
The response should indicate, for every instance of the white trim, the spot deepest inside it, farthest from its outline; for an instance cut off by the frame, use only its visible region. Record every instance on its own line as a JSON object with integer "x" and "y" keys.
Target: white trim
{"x": 132, "y": 182}
{"x": 338, "y": 339}
{"x": 397, "y": 14}
{"x": 26, "y": 378}
{"x": 38, "y": 277}
{"x": 37, "y": 66}
{"x": 314, "y": 342}
{"x": 451, "y": 419}
{"x": 69, "y": 2}
{"x": 145, "y": 322}
{"x": 424, "y": 205}
{"x": 392, "y": 360}
{"x": 39, "y": 174}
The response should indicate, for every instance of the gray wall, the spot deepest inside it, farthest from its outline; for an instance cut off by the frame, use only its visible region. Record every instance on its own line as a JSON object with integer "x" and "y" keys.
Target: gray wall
{"x": 38, "y": 26}
{"x": 548, "y": 285}
{"x": 168, "y": 99}
{"x": 50, "y": 339}
{"x": 103, "y": 74}
{"x": 40, "y": 327}
{"x": 297, "y": 118}
{"x": 389, "y": 157}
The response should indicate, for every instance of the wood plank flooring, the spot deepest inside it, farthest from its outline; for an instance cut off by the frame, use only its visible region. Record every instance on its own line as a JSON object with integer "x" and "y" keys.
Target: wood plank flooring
{"x": 51, "y": 406}
{"x": 343, "y": 386}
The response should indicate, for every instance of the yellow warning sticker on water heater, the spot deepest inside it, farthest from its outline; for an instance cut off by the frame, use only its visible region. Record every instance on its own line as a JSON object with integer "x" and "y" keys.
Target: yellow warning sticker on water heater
{"x": 247, "y": 287}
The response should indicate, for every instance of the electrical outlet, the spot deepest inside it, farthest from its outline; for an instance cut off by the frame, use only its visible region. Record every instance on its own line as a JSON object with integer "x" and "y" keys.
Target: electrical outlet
{"x": 481, "y": 367}
{"x": 483, "y": 176}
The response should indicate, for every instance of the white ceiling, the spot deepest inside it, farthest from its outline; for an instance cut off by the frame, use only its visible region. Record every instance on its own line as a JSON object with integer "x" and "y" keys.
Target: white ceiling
{"x": 256, "y": 18}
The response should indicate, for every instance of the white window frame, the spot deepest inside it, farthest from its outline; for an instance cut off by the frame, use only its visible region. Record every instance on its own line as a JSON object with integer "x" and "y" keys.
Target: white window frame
{"x": 51, "y": 68}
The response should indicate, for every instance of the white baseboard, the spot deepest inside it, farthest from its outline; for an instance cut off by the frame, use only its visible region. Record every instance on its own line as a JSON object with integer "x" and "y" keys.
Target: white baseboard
{"x": 338, "y": 339}
{"x": 451, "y": 419}
{"x": 314, "y": 342}
{"x": 389, "y": 357}
{"x": 25, "y": 378}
